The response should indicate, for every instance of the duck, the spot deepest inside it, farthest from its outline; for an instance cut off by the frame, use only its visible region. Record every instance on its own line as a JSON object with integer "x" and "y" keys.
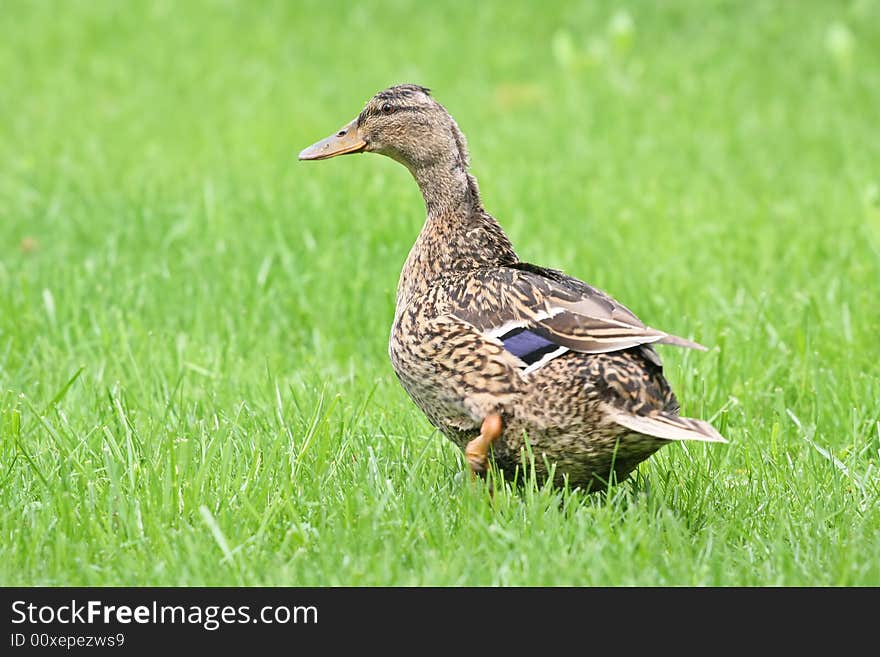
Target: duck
{"x": 519, "y": 365}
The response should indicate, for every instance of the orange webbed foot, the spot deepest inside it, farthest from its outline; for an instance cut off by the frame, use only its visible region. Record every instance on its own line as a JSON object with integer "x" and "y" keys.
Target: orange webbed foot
{"x": 477, "y": 450}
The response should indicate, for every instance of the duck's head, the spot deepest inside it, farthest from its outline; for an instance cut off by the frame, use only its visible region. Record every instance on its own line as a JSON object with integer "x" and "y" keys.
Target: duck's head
{"x": 403, "y": 122}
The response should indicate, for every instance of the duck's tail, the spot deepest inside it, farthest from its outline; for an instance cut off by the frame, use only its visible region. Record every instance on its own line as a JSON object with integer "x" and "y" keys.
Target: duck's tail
{"x": 668, "y": 427}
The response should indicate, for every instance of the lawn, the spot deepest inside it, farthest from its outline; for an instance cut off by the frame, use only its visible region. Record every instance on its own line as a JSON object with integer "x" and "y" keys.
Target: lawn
{"x": 194, "y": 380}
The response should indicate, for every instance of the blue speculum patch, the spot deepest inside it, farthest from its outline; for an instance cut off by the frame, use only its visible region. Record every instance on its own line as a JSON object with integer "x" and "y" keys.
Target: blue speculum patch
{"x": 527, "y": 345}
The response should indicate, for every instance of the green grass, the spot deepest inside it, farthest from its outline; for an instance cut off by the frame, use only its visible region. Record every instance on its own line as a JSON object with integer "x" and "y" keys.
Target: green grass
{"x": 194, "y": 386}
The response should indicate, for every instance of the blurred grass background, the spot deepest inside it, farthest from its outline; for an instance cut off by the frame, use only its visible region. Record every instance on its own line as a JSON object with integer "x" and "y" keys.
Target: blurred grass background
{"x": 194, "y": 387}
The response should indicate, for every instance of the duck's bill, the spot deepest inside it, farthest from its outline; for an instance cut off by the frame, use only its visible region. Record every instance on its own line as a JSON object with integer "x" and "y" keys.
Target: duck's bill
{"x": 347, "y": 140}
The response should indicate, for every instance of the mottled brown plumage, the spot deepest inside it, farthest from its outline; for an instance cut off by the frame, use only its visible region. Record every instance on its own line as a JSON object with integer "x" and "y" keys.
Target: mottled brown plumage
{"x": 479, "y": 334}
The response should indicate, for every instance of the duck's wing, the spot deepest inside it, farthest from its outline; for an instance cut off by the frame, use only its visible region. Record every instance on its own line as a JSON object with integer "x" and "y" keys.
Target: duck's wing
{"x": 540, "y": 313}
{"x": 584, "y": 306}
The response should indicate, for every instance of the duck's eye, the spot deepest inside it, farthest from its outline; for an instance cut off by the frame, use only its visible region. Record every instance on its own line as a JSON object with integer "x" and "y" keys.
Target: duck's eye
{"x": 387, "y": 108}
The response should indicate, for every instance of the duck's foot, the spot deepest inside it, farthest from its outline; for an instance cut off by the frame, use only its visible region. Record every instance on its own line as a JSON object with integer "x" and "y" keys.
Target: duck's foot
{"x": 477, "y": 451}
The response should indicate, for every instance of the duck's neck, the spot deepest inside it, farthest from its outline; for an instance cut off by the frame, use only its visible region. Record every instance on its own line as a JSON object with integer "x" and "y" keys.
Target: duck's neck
{"x": 447, "y": 187}
{"x": 458, "y": 235}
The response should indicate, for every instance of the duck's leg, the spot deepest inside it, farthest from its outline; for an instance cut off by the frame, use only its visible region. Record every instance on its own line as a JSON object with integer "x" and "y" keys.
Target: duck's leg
{"x": 477, "y": 450}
